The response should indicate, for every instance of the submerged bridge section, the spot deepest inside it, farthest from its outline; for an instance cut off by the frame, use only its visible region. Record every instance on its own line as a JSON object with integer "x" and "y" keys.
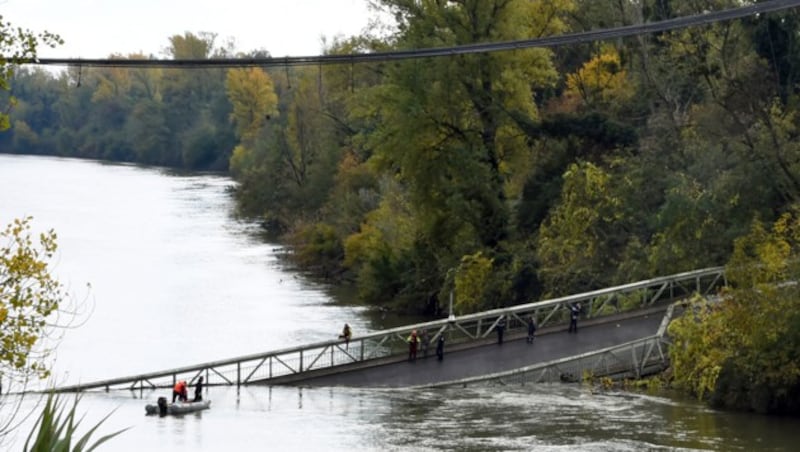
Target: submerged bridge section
{"x": 633, "y": 359}
{"x": 623, "y": 320}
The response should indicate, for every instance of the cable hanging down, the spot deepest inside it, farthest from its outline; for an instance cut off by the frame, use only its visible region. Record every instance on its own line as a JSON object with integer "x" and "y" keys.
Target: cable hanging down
{"x": 550, "y": 41}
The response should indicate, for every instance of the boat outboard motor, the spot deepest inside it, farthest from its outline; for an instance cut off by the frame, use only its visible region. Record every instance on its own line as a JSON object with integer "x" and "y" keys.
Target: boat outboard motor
{"x": 162, "y": 406}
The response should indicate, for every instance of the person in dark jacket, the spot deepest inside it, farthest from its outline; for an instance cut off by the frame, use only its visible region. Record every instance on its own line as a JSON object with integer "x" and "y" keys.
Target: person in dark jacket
{"x": 531, "y": 329}
{"x": 440, "y": 347}
{"x": 424, "y": 342}
{"x": 574, "y": 310}
{"x": 500, "y": 327}
{"x": 198, "y": 390}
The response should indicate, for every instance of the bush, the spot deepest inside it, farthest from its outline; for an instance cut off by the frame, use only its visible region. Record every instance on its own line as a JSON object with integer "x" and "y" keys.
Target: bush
{"x": 744, "y": 351}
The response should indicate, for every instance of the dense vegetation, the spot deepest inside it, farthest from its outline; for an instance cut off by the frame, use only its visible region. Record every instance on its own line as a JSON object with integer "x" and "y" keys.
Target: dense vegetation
{"x": 157, "y": 117}
{"x": 744, "y": 352}
{"x": 502, "y": 177}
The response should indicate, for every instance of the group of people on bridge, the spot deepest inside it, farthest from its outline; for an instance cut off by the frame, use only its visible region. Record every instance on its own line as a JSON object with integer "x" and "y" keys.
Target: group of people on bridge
{"x": 574, "y": 313}
{"x": 415, "y": 341}
{"x": 422, "y": 340}
{"x": 500, "y": 328}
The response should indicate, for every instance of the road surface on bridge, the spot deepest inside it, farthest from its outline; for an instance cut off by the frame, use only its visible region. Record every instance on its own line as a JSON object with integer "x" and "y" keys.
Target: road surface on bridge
{"x": 491, "y": 358}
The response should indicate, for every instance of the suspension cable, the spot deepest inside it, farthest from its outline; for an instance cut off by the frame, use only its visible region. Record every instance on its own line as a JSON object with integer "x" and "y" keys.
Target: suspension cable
{"x": 550, "y": 41}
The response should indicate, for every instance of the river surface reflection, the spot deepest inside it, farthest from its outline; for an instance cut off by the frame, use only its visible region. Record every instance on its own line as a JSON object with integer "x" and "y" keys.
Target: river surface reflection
{"x": 176, "y": 279}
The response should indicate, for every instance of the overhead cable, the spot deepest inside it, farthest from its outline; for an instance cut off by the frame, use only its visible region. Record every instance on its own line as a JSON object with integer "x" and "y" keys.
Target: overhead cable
{"x": 549, "y": 41}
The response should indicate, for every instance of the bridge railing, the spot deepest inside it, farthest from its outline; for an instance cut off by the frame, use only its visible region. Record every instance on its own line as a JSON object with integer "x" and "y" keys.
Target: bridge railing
{"x": 633, "y": 359}
{"x": 392, "y": 344}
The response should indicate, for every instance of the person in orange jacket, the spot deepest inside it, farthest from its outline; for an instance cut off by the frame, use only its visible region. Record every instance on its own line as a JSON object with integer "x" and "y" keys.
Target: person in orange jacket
{"x": 180, "y": 391}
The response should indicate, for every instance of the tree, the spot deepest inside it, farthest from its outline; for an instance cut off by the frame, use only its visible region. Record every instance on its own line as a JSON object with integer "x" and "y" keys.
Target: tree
{"x": 379, "y": 251}
{"x": 447, "y": 128}
{"x": 18, "y": 45}
{"x": 197, "y": 105}
{"x": 324, "y": 147}
{"x": 33, "y": 307}
{"x": 580, "y": 242}
{"x": 252, "y": 95}
{"x": 470, "y": 280}
{"x": 112, "y": 105}
{"x": 601, "y": 82}
{"x": 29, "y": 297}
{"x": 256, "y": 159}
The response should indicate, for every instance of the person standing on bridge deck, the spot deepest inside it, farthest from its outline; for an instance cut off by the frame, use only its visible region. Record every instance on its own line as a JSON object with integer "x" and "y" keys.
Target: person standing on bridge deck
{"x": 347, "y": 333}
{"x": 500, "y": 328}
{"x": 440, "y": 347}
{"x": 574, "y": 310}
{"x": 425, "y": 342}
{"x": 413, "y": 342}
{"x": 531, "y": 329}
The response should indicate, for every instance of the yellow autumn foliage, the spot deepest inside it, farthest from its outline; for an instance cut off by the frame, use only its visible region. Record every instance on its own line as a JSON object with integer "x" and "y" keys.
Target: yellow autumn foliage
{"x": 743, "y": 350}
{"x": 29, "y": 296}
{"x": 601, "y": 80}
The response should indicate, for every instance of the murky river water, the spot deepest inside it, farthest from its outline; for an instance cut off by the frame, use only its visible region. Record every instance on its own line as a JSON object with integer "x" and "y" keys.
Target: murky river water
{"x": 176, "y": 279}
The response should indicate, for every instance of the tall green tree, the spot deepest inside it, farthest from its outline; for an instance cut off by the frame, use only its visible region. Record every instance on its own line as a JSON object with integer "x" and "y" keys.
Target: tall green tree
{"x": 252, "y": 95}
{"x": 590, "y": 233}
{"x": 36, "y": 96}
{"x": 447, "y": 126}
{"x": 727, "y": 148}
{"x": 197, "y": 104}
{"x": 345, "y": 93}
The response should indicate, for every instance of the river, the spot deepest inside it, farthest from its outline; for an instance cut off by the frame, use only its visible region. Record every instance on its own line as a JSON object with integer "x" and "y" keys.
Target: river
{"x": 166, "y": 275}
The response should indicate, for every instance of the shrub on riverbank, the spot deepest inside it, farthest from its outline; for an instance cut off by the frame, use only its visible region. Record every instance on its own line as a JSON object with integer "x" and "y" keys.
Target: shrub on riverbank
{"x": 743, "y": 352}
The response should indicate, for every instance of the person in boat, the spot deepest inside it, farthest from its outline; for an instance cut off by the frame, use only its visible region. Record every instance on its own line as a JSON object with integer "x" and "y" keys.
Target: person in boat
{"x": 198, "y": 390}
{"x": 180, "y": 391}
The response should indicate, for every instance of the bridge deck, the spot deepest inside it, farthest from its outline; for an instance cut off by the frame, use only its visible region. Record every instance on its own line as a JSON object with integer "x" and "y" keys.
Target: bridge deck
{"x": 486, "y": 359}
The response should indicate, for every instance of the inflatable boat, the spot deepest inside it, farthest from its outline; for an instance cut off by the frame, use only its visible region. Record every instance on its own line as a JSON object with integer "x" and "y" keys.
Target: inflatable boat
{"x": 163, "y": 408}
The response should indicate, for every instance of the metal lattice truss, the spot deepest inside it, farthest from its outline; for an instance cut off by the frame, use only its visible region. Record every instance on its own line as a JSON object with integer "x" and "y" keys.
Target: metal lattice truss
{"x": 376, "y": 348}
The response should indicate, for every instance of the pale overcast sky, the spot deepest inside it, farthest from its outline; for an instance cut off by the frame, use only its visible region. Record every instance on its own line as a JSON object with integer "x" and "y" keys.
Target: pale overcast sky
{"x": 98, "y": 28}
